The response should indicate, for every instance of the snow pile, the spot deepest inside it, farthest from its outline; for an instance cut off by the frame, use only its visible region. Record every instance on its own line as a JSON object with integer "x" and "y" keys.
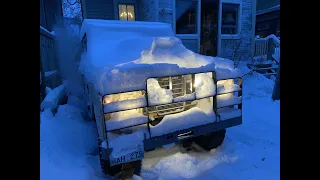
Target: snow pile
{"x": 125, "y": 119}
{"x": 53, "y": 98}
{"x": 170, "y": 50}
{"x": 115, "y": 62}
{"x": 125, "y": 104}
{"x": 156, "y": 94}
{"x": 226, "y": 86}
{"x": 67, "y": 142}
{"x": 225, "y": 68}
{"x": 204, "y": 86}
{"x": 184, "y": 120}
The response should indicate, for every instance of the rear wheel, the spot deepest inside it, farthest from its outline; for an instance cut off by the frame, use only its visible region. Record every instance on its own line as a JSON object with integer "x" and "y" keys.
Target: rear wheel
{"x": 211, "y": 140}
{"x": 105, "y": 164}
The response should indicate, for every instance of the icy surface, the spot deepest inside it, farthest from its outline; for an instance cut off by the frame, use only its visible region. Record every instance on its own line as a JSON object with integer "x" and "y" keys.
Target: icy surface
{"x": 184, "y": 120}
{"x": 156, "y": 94}
{"x": 125, "y": 104}
{"x": 53, "y": 98}
{"x": 227, "y": 100}
{"x": 125, "y": 119}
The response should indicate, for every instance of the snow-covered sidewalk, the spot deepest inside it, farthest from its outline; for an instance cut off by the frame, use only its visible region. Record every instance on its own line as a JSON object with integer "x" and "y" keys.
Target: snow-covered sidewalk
{"x": 250, "y": 151}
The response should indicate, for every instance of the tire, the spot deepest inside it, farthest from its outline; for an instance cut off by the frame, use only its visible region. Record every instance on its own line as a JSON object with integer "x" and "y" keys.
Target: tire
{"x": 137, "y": 168}
{"x": 105, "y": 164}
{"x": 211, "y": 140}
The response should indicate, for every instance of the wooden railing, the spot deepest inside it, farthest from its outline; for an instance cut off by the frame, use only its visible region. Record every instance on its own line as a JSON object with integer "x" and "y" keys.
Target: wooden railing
{"x": 267, "y": 48}
{"x": 48, "y": 58}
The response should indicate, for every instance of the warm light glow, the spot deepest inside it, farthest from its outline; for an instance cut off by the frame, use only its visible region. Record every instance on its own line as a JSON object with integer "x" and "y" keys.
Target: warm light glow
{"x": 197, "y": 81}
{"x": 125, "y": 14}
{"x": 107, "y": 99}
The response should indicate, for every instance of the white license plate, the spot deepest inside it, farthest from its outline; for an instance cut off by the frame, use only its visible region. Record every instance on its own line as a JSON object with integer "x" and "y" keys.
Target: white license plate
{"x": 133, "y": 156}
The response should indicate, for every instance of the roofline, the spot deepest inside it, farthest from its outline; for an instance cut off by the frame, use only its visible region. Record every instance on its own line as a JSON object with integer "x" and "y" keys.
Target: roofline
{"x": 271, "y": 9}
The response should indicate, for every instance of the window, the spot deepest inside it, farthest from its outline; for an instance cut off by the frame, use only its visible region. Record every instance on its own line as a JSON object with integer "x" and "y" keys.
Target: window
{"x": 186, "y": 17}
{"x": 230, "y": 18}
{"x": 126, "y": 12}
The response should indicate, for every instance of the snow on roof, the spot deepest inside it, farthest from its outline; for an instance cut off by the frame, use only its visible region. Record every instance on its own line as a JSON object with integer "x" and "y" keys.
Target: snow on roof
{"x": 121, "y": 56}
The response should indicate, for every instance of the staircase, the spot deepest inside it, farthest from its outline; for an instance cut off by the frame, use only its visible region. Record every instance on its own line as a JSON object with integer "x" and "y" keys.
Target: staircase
{"x": 266, "y": 57}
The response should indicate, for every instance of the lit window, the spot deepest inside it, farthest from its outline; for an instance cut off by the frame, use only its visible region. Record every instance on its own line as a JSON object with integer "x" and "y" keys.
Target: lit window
{"x": 126, "y": 12}
{"x": 230, "y": 18}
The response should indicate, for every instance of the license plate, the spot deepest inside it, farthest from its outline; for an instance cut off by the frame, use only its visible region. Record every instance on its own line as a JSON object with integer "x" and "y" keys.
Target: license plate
{"x": 133, "y": 156}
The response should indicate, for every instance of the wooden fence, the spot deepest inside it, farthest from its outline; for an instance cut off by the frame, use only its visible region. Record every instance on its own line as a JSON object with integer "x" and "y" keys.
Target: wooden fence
{"x": 49, "y": 59}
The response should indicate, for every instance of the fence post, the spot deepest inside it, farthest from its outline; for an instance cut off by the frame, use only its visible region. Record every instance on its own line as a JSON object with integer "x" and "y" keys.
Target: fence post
{"x": 276, "y": 88}
{"x": 270, "y": 49}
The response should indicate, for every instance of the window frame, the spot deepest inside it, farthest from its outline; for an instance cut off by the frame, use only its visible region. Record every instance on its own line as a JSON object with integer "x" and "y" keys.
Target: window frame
{"x": 127, "y": 4}
{"x": 195, "y": 36}
{"x": 239, "y": 4}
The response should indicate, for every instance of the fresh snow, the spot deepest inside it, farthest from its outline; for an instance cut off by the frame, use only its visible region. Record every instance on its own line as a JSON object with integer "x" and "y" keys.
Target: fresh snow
{"x": 115, "y": 62}
{"x": 124, "y": 119}
{"x": 156, "y": 94}
{"x": 204, "y": 86}
{"x": 227, "y": 86}
{"x": 52, "y": 99}
{"x": 125, "y": 104}
{"x": 227, "y": 100}
{"x": 184, "y": 120}
{"x": 68, "y": 145}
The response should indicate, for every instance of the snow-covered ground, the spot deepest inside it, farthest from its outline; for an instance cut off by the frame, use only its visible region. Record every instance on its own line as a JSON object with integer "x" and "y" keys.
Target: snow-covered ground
{"x": 68, "y": 145}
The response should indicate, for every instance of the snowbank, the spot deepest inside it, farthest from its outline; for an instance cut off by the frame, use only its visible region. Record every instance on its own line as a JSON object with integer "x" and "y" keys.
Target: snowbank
{"x": 53, "y": 98}
{"x": 115, "y": 62}
{"x": 67, "y": 142}
{"x": 184, "y": 120}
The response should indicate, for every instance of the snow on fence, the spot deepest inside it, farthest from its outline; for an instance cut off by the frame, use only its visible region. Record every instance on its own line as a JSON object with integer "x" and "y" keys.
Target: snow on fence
{"x": 267, "y": 48}
{"x": 48, "y": 57}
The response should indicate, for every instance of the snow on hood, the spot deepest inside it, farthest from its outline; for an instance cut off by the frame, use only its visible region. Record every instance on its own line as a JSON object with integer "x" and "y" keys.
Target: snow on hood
{"x": 167, "y": 56}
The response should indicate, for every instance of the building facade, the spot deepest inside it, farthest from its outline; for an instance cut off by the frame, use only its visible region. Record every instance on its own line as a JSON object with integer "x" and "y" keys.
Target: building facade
{"x": 211, "y": 27}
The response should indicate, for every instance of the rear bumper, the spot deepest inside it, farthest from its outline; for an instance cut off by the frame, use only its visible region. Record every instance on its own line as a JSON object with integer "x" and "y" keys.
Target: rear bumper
{"x": 159, "y": 141}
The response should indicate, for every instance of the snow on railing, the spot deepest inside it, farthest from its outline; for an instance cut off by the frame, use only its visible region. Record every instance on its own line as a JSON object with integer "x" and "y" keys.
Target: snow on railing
{"x": 267, "y": 48}
{"x": 46, "y": 32}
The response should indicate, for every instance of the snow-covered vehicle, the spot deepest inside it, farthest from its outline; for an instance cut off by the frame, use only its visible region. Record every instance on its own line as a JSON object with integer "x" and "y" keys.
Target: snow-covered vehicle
{"x": 145, "y": 89}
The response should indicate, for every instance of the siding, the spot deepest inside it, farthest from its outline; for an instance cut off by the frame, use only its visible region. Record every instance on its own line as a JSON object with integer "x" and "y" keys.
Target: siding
{"x": 246, "y": 34}
{"x": 166, "y": 17}
{"x": 99, "y": 9}
{"x": 148, "y": 10}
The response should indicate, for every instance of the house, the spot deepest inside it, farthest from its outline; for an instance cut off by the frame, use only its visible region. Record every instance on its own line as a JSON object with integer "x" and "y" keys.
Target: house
{"x": 210, "y": 27}
{"x": 268, "y": 18}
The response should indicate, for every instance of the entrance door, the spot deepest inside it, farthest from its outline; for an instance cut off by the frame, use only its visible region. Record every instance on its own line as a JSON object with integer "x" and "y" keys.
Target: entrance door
{"x": 209, "y": 27}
